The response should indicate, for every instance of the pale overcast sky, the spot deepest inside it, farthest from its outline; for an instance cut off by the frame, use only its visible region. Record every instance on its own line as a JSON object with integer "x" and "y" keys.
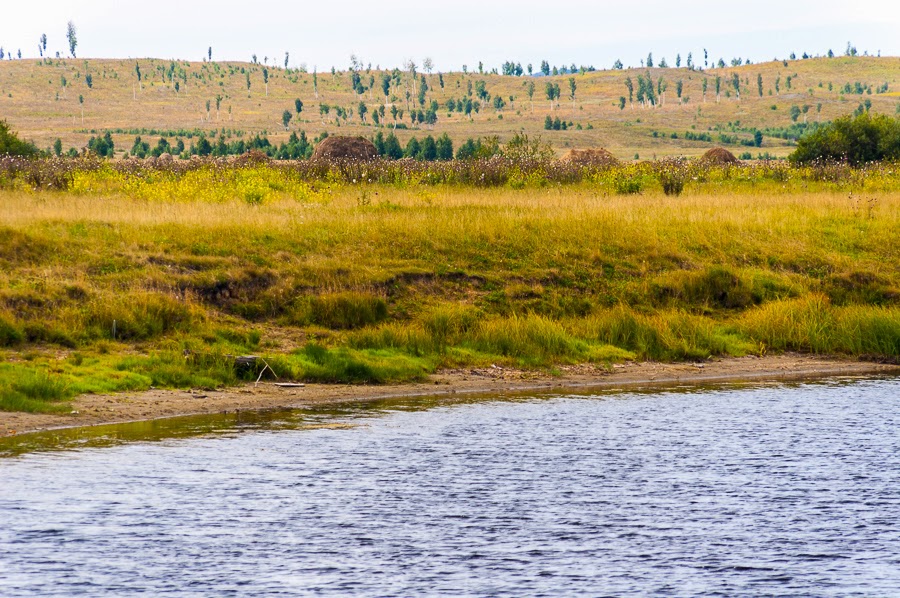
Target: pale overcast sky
{"x": 388, "y": 32}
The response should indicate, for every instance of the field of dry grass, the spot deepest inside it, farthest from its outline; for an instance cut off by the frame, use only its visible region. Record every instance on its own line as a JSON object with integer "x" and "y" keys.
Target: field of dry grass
{"x": 34, "y": 101}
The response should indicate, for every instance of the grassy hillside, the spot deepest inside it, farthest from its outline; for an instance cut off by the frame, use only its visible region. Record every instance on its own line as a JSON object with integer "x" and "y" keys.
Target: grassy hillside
{"x": 35, "y": 101}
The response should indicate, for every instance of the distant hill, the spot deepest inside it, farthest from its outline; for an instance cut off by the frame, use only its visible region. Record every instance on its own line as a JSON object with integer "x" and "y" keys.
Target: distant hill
{"x": 76, "y": 99}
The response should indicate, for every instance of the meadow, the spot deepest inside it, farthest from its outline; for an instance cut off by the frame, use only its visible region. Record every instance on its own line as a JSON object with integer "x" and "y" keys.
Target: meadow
{"x": 124, "y": 275}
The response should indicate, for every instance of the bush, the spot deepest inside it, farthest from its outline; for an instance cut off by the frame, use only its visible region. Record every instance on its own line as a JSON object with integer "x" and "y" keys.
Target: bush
{"x": 672, "y": 174}
{"x": 12, "y": 145}
{"x": 859, "y": 139}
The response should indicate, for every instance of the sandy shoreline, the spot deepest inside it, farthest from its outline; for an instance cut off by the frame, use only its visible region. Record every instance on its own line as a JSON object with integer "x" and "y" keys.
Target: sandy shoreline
{"x": 91, "y": 410}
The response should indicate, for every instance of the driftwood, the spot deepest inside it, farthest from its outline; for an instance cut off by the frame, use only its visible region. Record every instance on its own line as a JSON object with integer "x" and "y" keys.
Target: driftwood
{"x": 245, "y": 361}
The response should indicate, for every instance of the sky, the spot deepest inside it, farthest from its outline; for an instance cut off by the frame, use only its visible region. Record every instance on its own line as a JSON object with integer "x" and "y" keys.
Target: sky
{"x": 387, "y": 33}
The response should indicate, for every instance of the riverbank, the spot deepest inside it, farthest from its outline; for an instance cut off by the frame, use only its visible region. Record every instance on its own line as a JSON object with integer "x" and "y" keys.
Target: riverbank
{"x": 89, "y": 410}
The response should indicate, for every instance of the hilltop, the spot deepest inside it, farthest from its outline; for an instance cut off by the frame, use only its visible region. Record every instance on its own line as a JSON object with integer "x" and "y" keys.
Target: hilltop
{"x": 76, "y": 99}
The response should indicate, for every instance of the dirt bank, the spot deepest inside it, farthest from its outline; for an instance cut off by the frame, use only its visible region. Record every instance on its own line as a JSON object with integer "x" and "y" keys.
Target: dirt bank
{"x": 104, "y": 409}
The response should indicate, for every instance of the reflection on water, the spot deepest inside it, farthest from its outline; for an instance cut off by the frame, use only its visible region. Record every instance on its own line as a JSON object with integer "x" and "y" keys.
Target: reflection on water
{"x": 785, "y": 490}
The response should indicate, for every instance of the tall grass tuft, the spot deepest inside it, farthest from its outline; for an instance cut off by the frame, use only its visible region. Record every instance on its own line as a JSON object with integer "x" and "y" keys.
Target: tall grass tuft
{"x": 34, "y": 391}
{"x": 340, "y": 311}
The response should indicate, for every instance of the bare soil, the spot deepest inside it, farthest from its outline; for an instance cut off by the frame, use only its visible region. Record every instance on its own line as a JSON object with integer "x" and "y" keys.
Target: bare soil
{"x": 89, "y": 410}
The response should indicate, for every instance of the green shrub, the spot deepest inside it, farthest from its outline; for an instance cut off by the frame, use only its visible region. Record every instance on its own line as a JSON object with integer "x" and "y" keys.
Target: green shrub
{"x": 857, "y": 140}
{"x": 10, "y": 144}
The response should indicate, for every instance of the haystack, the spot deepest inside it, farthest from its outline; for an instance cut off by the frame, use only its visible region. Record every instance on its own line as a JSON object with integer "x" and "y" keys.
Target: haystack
{"x": 252, "y": 157}
{"x": 719, "y": 156}
{"x": 355, "y": 148}
{"x": 591, "y": 157}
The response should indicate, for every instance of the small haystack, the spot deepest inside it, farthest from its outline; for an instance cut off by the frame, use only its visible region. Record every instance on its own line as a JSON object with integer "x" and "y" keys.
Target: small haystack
{"x": 253, "y": 157}
{"x": 719, "y": 156}
{"x": 597, "y": 156}
{"x": 355, "y": 148}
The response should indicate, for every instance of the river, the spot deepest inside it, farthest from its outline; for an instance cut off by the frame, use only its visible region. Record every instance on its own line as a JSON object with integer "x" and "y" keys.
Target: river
{"x": 755, "y": 490}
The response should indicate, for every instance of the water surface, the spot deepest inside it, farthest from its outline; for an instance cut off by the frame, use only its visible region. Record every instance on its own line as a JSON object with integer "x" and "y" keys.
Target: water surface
{"x": 768, "y": 490}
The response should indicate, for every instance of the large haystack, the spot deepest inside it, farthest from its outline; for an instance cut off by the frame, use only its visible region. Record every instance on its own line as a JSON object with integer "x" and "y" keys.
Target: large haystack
{"x": 356, "y": 148}
{"x": 719, "y": 156}
{"x": 591, "y": 157}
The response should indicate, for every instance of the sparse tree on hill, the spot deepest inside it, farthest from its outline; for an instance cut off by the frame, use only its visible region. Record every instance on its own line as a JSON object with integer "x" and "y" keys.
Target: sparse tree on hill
{"x": 759, "y": 84}
{"x": 617, "y": 65}
{"x": 64, "y": 83}
{"x": 679, "y": 88}
{"x": 385, "y": 86}
{"x": 705, "y": 58}
{"x": 71, "y": 35}
{"x": 690, "y": 61}
{"x": 81, "y": 102}
{"x": 572, "y": 88}
{"x": 89, "y": 80}
{"x": 57, "y": 147}
{"x": 208, "y": 103}
{"x": 545, "y": 68}
{"x": 315, "y": 83}
{"x": 718, "y": 88}
{"x": 137, "y": 72}
{"x": 441, "y": 81}
{"x": 286, "y": 117}
{"x": 411, "y": 67}
{"x": 629, "y": 84}
{"x": 736, "y": 83}
{"x": 427, "y": 65}
{"x": 42, "y": 45}
{"x": 219, "y": 99}
{"x": 678, "y": 61}
{"x": 550, "y": 93}
{"x": 298, "y": 106}
{"x": 778, "y": 85}
{"x": 265, "y": 74}
{"x": 248, "y": 80}
{"x": 287, "y": 58}
{"x": 650, "y": 60}
{"x": 361, "y": 109}
{"x": 209, "y": 53}
{"x": 529, "y": 89}
{"x": 705, "y": 85}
